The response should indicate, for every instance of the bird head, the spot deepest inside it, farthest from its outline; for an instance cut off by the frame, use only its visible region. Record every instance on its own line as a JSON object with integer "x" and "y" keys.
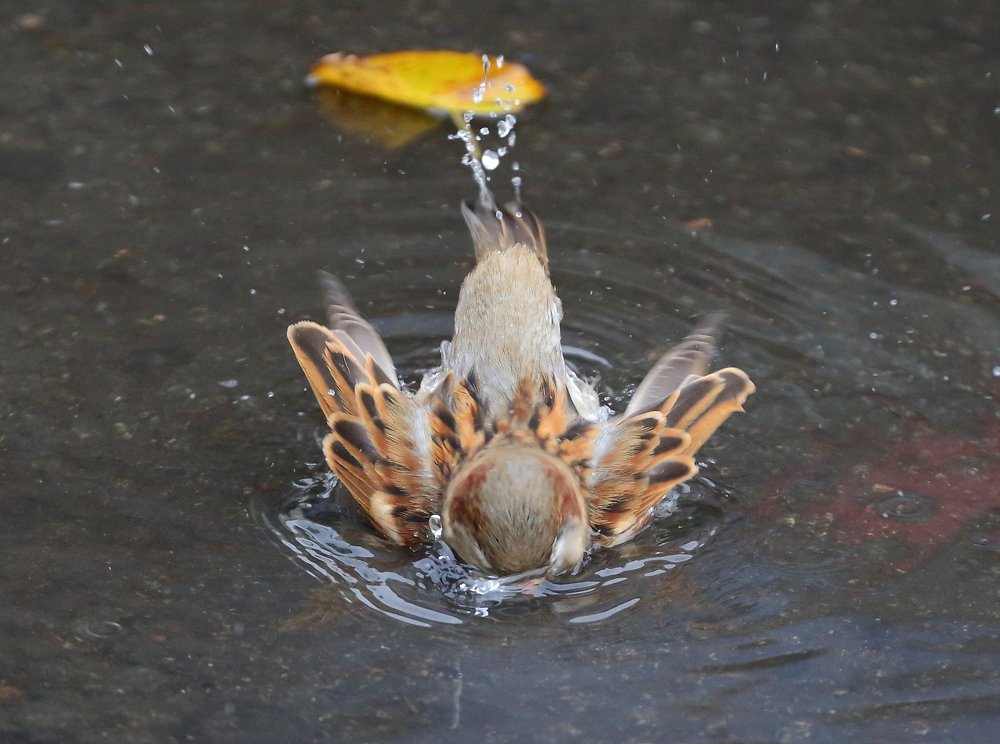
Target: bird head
{"x": 513, "y": 508}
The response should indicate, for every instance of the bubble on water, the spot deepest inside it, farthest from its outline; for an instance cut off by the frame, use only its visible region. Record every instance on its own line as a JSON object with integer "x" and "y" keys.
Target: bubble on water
{"x": 490, "y": 159}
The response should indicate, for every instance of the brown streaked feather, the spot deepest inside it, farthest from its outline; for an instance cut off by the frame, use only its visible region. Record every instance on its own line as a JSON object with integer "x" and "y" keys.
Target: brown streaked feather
{"x": 703, "y": 405}
{"x": 457, "y": 426}
{"x": 310, "y": 343}
{"x": 542, "y": 415}
{"x": 627, "y": 504}
{"x": 348, "y": 468}
{"x": 644, "y": 455}
{"x": 627, "y": 481}
{"x": 378, "y": 437}
{"x": 402, "y": 521}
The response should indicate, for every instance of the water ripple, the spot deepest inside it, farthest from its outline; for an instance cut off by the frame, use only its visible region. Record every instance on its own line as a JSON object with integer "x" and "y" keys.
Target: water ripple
{"x": 429, "y": 586}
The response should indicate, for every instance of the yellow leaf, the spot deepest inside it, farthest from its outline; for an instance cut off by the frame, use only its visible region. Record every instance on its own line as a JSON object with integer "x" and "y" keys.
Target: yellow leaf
{"x": 438, "y": 82}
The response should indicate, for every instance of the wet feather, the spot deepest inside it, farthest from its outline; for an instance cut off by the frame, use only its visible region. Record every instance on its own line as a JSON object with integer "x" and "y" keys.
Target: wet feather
{"x": 503, "y": 441}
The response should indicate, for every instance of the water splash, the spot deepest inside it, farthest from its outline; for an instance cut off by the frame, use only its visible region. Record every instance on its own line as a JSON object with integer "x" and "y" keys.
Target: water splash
{"x": 432, "y": 587}
{"x": 479, "y": 160}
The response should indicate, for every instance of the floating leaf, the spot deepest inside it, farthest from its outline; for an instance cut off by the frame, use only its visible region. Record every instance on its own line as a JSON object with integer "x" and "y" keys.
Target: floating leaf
{"x": 438, "y": 82}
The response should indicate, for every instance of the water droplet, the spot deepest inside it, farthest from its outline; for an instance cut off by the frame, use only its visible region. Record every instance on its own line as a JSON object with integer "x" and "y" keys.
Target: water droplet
{"x": 434, "y": 525}
{"x": 490, "y": 160}
{"x": 229, "y": 383}
{"x": 505, "y": 125}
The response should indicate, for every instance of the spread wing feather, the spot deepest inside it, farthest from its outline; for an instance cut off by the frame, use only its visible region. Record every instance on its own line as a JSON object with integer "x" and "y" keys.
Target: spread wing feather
{"x": 690, "y": 357}
{"x": 378, "y": 443}
{"x": 357, "y": 333}
{"x": 643, "y": 455}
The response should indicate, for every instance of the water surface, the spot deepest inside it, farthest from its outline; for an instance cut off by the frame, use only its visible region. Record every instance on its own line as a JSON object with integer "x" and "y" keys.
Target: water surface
{"x": 169, "y": 192}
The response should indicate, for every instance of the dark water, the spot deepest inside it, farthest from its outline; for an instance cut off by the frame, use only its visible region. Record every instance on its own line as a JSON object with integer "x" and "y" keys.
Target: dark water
{"x": 831, "y": 576}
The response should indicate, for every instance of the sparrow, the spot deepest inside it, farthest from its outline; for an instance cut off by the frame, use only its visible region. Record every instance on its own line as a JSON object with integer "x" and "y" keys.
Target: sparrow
{"x": 503, "y": 443}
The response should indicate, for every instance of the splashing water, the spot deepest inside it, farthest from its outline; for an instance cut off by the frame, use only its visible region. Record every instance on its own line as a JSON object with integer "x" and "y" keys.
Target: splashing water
{"x": 479, "y": 160}
{"x": 431, "y": 586}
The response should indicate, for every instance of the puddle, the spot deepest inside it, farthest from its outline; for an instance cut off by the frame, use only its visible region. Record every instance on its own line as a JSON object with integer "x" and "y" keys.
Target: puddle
{"x": 177, "y": 565}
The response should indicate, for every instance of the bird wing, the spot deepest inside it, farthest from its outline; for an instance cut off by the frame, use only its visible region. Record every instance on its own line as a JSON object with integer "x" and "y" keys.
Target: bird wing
{"x": 640, "y": 457}
{"x": 379, "y": 440}
{"x": 690, "y": 357}
{"x": 356, "y": 332}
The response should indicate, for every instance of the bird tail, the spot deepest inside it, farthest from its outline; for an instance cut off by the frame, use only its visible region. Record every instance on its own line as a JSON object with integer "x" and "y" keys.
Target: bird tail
{"x": 496, "y": 228}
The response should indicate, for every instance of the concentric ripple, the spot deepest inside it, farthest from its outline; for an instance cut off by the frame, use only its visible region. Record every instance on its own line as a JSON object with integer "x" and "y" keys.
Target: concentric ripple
{"x": 316, "y": 526}
{"x": 618, "y": 318}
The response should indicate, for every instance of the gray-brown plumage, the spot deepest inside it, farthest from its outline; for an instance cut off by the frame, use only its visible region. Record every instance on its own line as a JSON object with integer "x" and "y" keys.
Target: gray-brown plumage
{"x": 504, "y": 442}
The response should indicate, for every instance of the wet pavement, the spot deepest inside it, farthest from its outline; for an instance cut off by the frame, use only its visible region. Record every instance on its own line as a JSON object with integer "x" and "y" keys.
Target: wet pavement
{"x": 168, "y": 191}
